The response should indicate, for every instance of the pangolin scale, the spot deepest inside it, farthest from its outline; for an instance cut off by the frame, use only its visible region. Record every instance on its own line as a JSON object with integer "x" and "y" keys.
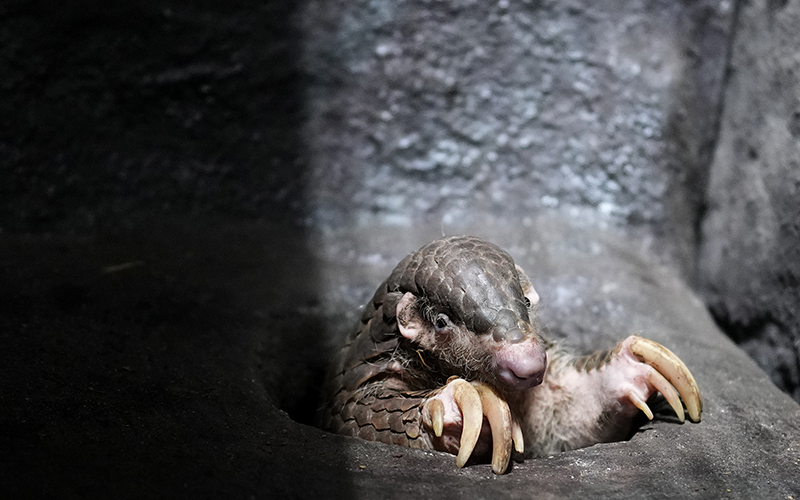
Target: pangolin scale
{"x": 379, "y": 379}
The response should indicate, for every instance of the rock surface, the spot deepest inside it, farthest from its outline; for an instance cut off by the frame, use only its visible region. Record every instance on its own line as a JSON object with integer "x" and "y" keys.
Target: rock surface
{"x": 474, "y": 112}
{"x": 750, "y": 260}
{"x": 141, "y": 364}
{"x": 165, "y": 321}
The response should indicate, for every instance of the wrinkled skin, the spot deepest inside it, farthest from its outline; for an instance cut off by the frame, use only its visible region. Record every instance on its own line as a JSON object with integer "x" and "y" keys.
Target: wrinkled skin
{"x": 449, "y": 356}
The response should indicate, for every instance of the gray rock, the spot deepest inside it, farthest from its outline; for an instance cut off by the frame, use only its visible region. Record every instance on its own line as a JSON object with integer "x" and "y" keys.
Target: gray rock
{"x": 473, "y": 112}
{"x": 163, "y": 333}
{"x": 149, "y": 367}
{"x": 750, "y": 260}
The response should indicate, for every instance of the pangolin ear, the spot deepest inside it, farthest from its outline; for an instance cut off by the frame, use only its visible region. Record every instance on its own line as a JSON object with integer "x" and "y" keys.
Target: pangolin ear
{"x": 527, "y": 287}
{"x": 408, "y": 319}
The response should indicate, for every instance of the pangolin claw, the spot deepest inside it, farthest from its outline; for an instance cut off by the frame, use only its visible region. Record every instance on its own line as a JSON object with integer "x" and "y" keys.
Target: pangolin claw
{"x": 499, "y": 417}
{"x": 516, "y": 435}
{"x": 476, "y": 400}
{"x": 469, "y": 402}
{"x": 670, "y": 374}
{"x": 641, "y": 404}
{"x": 435, "y": 409}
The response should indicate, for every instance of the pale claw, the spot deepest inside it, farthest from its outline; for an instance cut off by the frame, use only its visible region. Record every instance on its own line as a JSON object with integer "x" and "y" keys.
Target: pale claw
{"x": 499, "y": 416}
{"x": 671, "y": 372}
{"x": 469, "y": 402}
{"x": 516, "y": 435}
{"x": 641, "y": 404}
{"x": 474, "y": 400}
{"x": 435, "y": 416}
{"x": 663, "y": 386}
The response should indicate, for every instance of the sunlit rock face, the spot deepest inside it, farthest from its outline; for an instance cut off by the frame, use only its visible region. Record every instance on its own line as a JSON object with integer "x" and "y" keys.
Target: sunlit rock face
{"x": 463, "y": 111}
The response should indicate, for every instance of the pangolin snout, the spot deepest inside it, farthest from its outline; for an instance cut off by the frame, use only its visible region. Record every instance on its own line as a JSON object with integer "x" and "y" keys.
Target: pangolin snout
{"x": 521, "y": 359}
{"x": 522, "y": 365}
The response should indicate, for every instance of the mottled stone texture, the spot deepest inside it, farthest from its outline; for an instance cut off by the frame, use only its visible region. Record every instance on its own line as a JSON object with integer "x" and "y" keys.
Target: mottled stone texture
{"x": 164, "y": 316}
{"x": 750, "y": 260}
{"x": 161, "y": 378}
{"x": 470, "y": 111}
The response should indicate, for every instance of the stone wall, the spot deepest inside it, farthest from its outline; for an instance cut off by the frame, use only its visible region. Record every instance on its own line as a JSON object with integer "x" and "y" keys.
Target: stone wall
{"x": 750, "y": 258}
{"x": 461, "y": 111}
{"x": 196, "y": 197}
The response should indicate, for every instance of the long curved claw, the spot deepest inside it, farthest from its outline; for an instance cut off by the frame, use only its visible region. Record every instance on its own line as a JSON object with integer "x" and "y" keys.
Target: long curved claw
{"x": 433, "y": 413}
{"x": 671, "y": 371}
{"x": 499, "y": 416}
{"x": 663, "y": 386}
{"x": 641, "y": 404}
{"x": 469, "y": 402}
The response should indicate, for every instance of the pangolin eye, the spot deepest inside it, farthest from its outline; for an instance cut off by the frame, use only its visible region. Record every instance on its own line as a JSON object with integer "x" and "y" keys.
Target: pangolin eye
{"x": 527, "y": 302}
{"x": 441, "y": 321}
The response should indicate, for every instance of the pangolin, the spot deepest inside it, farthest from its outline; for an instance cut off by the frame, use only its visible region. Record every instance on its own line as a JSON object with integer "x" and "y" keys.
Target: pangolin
{"x": 451, "y": 337}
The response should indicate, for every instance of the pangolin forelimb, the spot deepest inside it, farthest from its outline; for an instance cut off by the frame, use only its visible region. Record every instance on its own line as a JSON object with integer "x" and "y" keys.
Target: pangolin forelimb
{"x": 460, "y": 408}
{"x": 595, "y": 398}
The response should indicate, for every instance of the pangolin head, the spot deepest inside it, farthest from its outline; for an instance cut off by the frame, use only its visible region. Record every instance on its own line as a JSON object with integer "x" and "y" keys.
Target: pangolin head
{"x": 473, "y": 281}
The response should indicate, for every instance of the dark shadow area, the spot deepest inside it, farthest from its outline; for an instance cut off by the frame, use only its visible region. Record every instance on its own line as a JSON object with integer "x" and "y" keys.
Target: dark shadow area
{"x": 151, "y": 366}
{"x": 762, "y": 337}
{"x": 158, "y": 288}
{"x": 117, "y": 114}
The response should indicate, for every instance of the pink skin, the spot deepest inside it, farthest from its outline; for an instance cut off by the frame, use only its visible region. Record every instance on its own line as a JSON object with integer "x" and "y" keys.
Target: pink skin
{"x": 581, "y": 398}
{"x": 521, "y": 365}
{"x": 626, "y": 376}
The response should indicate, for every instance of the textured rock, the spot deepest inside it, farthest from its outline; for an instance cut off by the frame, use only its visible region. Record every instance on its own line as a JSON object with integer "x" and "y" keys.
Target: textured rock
{"x": 151, "y": 333}
{"x": 466, "y": 111}
{"x": 156, "y": 378}
{"x": 750, "y": 258}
